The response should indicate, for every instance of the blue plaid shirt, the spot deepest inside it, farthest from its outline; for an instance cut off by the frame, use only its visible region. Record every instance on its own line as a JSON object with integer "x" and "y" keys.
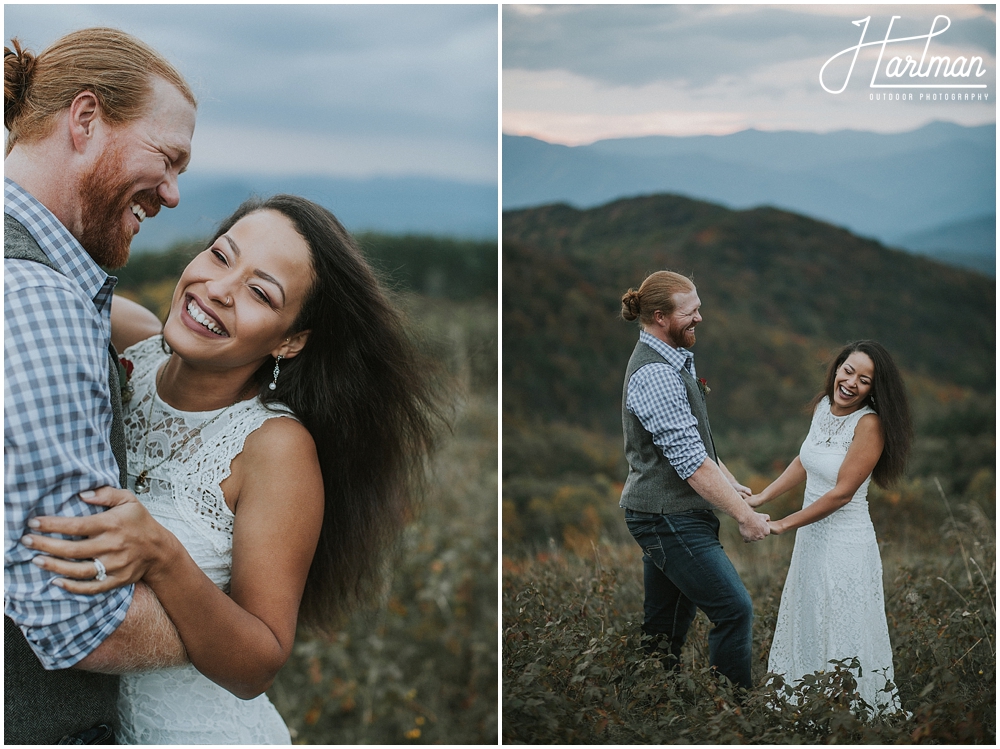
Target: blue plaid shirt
{"x": 656, "y": 395}
{"x": 57, "y": 422}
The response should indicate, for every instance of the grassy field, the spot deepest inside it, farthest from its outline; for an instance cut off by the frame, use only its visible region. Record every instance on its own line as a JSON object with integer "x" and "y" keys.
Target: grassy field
{"x": 574, "y": 672}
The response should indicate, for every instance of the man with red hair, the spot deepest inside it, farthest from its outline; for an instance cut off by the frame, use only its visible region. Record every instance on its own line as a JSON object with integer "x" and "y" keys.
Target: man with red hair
{"x": 100, "y": 127}
{"x": 676, "y": 482}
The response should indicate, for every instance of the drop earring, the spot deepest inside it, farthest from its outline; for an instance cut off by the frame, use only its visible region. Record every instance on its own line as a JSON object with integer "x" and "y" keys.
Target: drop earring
{"x": 277, "y": 371}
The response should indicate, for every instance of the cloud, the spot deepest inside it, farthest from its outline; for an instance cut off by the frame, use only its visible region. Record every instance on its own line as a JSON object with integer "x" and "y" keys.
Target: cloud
{"x": 574, "y": 74}
{"x": 403, "y": 87}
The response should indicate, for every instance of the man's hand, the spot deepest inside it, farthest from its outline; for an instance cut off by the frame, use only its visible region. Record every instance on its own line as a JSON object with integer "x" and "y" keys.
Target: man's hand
{"x": 712, "y": 483}
{"x": 754, "y": 527}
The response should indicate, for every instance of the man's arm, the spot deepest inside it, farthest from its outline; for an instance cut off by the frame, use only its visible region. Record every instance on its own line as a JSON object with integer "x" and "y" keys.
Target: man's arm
{"x": 711, "y": 483}
{"x": 145, "y": 640}
{"x": 131, "y": 323}
{"x": 57, "y": 414}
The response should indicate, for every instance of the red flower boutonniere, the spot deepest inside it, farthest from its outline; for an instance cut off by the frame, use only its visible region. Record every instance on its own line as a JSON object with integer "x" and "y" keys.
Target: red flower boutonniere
{"x": 125, "y": 368}
{"x": 703, "y": 384}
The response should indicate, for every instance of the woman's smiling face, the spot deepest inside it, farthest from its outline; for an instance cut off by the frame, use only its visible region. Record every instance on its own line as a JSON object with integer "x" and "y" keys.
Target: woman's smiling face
{"x": 236, "y": 302}
{"x": 853, "y": 382}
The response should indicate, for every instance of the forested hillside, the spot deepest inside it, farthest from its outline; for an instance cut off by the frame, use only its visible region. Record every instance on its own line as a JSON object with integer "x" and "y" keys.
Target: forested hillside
{"x": 781, "y": 293}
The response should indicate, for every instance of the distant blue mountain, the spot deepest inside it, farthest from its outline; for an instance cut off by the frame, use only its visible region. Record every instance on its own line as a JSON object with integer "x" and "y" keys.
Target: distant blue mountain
{"x": 968, "y": 244}
{"x": 393, "y": 206}
{"x": 885, "y": 186}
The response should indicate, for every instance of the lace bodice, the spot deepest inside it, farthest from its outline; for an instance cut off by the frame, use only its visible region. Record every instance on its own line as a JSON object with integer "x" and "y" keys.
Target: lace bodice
{"x": 823, "y": 453}
{"x": 184, "y": 488}
{"x": 186, "y": 456}
{"x": 828, "y": 431}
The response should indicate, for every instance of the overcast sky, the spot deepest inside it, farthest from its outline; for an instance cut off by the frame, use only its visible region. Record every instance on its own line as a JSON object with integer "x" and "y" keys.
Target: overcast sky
{"x": 573, "y": 74}
{"x": 338, "y": 90}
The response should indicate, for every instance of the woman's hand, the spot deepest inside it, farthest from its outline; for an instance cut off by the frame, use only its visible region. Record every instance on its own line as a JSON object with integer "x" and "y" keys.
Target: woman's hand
{"x": 743, "y": 491}
{"x": 776, "y": 527}
{"x": 126, "y": 539}
{"x": 756, "y": 500}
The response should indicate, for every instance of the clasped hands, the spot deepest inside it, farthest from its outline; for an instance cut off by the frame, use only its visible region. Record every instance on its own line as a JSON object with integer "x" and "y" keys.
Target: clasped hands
{"x": 127, "y": 540}
{"x": 758, "y": 525}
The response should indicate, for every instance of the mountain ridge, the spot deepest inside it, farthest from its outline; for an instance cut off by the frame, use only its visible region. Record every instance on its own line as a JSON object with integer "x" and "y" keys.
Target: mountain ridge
{"x": 885, "y": 186}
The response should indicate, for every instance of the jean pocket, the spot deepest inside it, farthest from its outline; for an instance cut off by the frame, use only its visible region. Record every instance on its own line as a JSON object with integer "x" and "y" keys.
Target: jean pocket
{"x": 693, "y": 521}
{"x": 637, "y": 523}
{"x": 642, "y": 530}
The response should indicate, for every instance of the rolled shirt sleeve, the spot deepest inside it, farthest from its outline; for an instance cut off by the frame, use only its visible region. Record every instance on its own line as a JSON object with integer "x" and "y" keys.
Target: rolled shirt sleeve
{"x": 657, "y": 397}
{"x": 57, "y": 418}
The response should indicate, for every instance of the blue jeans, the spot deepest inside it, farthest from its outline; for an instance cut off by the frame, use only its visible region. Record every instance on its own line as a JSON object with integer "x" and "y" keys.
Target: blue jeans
{"x": 684, "y": 569}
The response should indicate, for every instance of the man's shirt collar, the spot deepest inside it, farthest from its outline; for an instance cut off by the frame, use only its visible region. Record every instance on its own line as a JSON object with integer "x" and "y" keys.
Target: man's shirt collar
{"x": 61, "y": 247}
{"x": 676, "y": 357}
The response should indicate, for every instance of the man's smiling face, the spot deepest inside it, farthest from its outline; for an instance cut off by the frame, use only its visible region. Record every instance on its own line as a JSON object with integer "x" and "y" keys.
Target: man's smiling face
{"x": 135, "y": 175}
{"x": 684, "y": 318}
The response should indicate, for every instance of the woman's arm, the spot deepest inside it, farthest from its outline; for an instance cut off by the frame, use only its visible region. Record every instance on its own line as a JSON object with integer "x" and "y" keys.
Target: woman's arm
{"x": 240, "y": 640}
{"x": 791, "y": 477}
{"x": 131, "y": 323}
{"x": 862, "y": 455}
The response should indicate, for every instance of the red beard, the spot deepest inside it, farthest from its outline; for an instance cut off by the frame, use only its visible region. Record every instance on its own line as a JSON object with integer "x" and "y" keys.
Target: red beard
{"x": 106, "y": 195}
{"x": 681, "y": 337}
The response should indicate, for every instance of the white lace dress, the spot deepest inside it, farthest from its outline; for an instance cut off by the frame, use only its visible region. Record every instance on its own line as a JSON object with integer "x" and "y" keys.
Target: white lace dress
{"x": 833, "y": 606}
{"x": 179, "y": 705}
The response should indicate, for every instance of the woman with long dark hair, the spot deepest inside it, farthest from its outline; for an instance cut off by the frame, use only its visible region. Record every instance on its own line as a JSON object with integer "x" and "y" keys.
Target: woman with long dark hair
{"x": 276, "y": 433}
{"x": 832, "y": 606}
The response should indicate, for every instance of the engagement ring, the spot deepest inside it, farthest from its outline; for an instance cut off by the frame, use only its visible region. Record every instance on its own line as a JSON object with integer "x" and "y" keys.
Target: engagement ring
{"x": 102, "y": 572}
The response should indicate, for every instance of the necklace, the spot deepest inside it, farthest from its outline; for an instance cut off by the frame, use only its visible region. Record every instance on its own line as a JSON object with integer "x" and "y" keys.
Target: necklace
{"x": 142, "y": 482}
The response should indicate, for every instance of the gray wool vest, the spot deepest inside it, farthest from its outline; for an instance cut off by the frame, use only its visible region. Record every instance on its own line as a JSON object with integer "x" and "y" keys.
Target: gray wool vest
{"x": 652, "y": 484}
{"x": 42, "y": 707}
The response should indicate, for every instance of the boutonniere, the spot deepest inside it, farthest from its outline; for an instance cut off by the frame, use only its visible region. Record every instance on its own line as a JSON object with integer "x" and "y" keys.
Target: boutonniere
{"x": 703, "y": 384}
{"x": 125, "y": 368}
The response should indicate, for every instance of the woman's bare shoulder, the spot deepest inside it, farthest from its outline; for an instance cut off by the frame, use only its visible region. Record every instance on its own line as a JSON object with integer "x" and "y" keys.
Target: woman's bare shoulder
{"x": 278, "y": 462}
{"x": 279, "y": 438}
{"x": 868, "y": 433}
